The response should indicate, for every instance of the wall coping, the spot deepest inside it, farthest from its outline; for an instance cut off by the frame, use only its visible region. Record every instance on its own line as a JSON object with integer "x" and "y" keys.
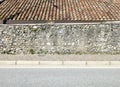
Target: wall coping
{"x": 26, "y": 22}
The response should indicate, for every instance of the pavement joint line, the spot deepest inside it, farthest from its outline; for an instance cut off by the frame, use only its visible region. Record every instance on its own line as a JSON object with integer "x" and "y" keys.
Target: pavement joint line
{"x": 109, "y": 62}
{"x": 39, "y": 62}
{"x": 15, "y": 62}
{"x": 62, "y": 62}
{"x": 86, "y": 63}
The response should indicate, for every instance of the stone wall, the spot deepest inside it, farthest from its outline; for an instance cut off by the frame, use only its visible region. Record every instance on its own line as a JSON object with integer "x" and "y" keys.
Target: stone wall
{"x": 90, "y": 38}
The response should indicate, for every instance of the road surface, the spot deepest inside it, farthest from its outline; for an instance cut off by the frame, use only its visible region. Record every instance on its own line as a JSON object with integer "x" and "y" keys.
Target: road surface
{"x": 59, "y": 77}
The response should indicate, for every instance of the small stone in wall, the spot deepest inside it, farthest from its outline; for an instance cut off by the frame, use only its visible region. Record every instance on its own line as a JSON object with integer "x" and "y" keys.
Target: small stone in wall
{"x": 49, "y": 44}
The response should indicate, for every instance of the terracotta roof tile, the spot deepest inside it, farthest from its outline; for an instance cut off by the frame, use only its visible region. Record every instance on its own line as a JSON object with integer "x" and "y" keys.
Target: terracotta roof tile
{"x": 88, "y": 10}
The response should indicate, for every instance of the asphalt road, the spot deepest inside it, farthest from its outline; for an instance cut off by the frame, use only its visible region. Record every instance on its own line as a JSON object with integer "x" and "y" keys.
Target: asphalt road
{"x": 59, "y": 77}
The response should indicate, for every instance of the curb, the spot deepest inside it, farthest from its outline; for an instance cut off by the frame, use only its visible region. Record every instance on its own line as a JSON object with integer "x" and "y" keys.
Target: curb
{"x": 7, "y": 62}
{"x": 63, "y": 63}
{"x": 79, "y": 63}
{"x": 115, "y": 63}
{"x": 98, "y": 63}
{"x": 27, "y": 62}
{"x": 51, "y": 63}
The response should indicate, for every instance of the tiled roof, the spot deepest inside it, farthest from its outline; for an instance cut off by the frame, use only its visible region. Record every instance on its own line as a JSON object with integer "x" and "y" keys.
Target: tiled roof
{"x": 84, "y": 10}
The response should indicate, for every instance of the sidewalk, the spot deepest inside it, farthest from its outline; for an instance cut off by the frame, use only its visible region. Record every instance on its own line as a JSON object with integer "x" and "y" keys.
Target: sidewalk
{"x": 68, "y": 57}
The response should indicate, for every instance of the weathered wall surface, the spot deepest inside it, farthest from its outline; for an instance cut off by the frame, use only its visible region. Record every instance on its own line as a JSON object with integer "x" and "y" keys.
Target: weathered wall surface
{"x": 60, "y": 38}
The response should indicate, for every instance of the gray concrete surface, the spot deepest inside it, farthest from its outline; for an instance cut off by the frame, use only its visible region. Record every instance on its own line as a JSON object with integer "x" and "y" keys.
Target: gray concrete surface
{"x": 67, "y": 57}
{"x": 59, "y": 77}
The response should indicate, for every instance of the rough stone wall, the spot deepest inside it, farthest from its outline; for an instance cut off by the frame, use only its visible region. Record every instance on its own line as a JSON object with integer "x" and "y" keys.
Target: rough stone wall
{"x": 60, "y": 38}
